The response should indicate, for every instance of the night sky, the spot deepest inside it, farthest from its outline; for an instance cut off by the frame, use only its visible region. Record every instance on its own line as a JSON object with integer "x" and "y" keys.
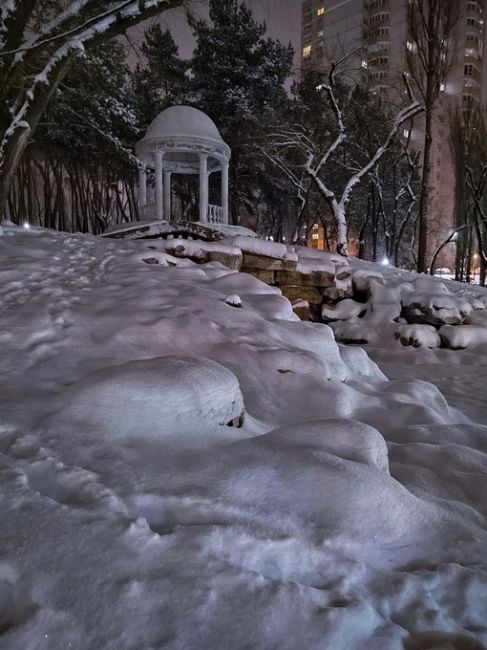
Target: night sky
{"x": 283, "y": 19}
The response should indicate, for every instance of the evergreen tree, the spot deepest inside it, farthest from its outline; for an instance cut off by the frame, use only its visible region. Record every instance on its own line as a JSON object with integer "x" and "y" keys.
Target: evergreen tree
{"x": 163, "y": 81}
{"x": 238, "y": 79}
{"x": 81, "y": 156}
{"x": 39, "y": 42}
{"x": 93, "y": 114}
{"x": 237, "y": 73}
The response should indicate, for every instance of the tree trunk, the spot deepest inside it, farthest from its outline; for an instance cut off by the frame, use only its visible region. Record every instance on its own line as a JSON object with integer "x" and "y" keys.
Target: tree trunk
{"x": 341, "y": 227}
{"x": 17, "y": 138}
{"x": 425, "y": 188}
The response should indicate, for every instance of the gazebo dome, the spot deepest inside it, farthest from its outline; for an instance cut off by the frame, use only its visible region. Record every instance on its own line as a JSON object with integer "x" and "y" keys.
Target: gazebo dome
{"x": 184, "y": 133}
{"x": 183, "y": 121}
{"x": 182, "y": 140}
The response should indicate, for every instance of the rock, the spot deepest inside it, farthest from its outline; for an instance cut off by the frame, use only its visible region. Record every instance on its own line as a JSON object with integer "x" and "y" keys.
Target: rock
{"x": 439, "y": 308}
{"x": 415, "y": 313}
{"x": 315, "y": 311}
{"x": 313, "y": 279}
{"x": 166, "y": 229}
{"x": 342, "y": 274}
{"x": 302, "y": 310}
{"x": 294, "y": 293}
{"x": 198, "y": 255}
{"x": 345, "y": 310}
{"x": 460, "y": 337}
{"x": 234, "y": 300}
{"x": 332, "y": 295}
{"x": 266, "y": 263}
{"x": 265, "y": 276}
{"x": 232, "y": 261}
{"x": 362, "y": 279}
{"x": 350, "y": 332}
{"x": 418, "y": 335}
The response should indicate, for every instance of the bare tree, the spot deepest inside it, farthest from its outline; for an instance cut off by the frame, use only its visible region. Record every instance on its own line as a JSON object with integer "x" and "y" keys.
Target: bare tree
{"x": 272, "y": 150}
{"x": 393, "y": 181}
{"x": 316, "y": 165}
{"x": 431, "y": 25}
{"x": 469, "y": 147}
{"x": 310, "y": 158}
{"x": 37, "y": 49}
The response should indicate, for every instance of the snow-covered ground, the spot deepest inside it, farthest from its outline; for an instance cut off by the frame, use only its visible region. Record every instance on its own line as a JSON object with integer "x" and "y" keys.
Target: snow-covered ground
{"x": 182, "y": 469}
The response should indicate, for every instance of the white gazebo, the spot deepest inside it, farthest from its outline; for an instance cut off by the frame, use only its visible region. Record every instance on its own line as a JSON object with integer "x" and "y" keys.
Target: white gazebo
{"x": 183, "y": 140}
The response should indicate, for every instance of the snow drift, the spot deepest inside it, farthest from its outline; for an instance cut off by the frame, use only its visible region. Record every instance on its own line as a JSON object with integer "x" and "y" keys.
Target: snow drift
{"x": 347, "y": 511}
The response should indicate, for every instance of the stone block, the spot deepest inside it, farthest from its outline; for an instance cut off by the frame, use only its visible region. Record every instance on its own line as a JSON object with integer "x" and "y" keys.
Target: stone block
{"x": 200, "y": 256}
{"x": 302, "y": 310}
{"x": 225, "y": 258}
{"x": 266, "y": 263}
{"x": 343, "y": 274}
{"x": 332, "y": 295}
{"x": 313, "y": 279}
{"x": 294, "y": 293}
{"x": 266, "y": 276}
{"x": 416, "y": 313}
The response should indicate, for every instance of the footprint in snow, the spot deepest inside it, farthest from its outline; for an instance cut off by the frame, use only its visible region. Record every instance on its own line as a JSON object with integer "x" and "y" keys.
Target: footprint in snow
{"x": 16, "y": 605}
{"x": 73, "y": 487}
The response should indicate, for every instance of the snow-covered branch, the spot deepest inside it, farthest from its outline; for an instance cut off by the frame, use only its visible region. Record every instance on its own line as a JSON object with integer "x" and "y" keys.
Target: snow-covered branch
{"x": 315, "y": 167}
{"x": 29, "y": 100}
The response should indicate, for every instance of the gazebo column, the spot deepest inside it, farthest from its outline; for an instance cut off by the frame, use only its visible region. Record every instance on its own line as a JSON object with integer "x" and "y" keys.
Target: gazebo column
{"x": 167, "y": 196}
{"x": 142, "y": 198}
{"x": 203, "y": 187}
{"x": 159, "y": 189}
{"x": 225, "y": 191}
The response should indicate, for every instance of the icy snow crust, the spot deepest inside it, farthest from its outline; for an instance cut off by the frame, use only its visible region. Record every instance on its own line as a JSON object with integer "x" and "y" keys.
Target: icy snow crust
{"x": 340, "y": 510}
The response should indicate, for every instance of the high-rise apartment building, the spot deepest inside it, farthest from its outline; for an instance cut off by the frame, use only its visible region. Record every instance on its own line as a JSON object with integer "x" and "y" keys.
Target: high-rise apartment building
{"x": 376, "y": 31}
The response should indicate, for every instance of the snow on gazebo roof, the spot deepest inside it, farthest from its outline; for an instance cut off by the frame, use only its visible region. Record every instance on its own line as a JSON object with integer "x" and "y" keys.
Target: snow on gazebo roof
{"x": 183, "y": 121}
{"x": 183, "y": 133}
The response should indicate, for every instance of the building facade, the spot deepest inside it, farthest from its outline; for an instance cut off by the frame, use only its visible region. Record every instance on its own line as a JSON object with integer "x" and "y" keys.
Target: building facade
{"x": 376, "y": 31}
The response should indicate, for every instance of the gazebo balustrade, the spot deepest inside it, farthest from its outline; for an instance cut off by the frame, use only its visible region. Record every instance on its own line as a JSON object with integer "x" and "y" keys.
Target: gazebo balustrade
{"x": 215, "y": 214}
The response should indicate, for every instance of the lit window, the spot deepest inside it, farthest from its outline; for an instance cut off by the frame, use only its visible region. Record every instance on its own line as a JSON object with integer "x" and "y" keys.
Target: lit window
{"x": 320, "y": 12}
{"x": 315, "y": 236}
{"x": 406, "y": 133}
{"x": 307, "y": 50}
{"x": 442, "y": 88}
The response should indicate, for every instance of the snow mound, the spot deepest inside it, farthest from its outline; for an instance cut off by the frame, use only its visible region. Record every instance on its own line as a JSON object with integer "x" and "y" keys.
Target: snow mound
{"x": 460, "y": 337}
{"x": 261, "y": 247}
{"x": 344, "y": 310}
{"x": 363, "y": 277}
{"x": 359, "y": 364}
{"x": 436, "y": 306}
{"x": 313, "y": 265}
{"x": 418, "y": 335}
{"x": 319, "y": 343}
{"x": 328, "y": 481}
{"x": 345, "y": 439}
{"x": 313, "y": 253}
{"x": 179, "y": 401}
